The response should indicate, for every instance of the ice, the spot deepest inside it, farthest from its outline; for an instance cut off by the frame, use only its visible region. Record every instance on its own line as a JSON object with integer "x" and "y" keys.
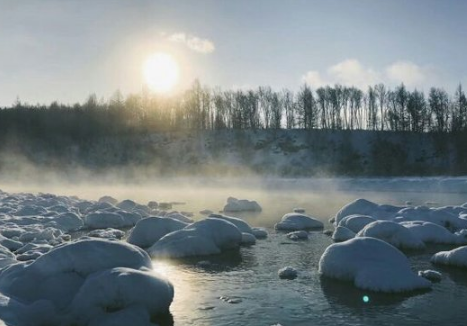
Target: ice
{"x": 288, "y": 272}
{"x": 371, "y": 264}
{"x": 241, "y": 205}
{"x": 298, "y": 235}
{"x": 456, "y": 257}
{"x": 205, "y": 237}
{"x": 296, "y": 222}
{"x": 392, "y": 233}
{"x": 341, "y": 233}
{"x": 356, "y": 222}
{"x": 149, "y": 230}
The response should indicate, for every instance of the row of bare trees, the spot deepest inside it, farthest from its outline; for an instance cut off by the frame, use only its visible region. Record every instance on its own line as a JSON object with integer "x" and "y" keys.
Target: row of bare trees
{"x": 332, "y": 107}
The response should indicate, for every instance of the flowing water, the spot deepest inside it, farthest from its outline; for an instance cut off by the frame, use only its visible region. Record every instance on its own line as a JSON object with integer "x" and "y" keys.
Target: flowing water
{"x": 243, "y": 288}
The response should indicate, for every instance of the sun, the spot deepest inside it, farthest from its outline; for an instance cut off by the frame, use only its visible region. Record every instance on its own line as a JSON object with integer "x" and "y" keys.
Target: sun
{"x": 161, "y": 72}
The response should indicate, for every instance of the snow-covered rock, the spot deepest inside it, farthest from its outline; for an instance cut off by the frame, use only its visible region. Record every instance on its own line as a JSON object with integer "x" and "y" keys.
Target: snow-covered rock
{"x": 341, "y": 233}
{"x": 431, "y": 275}
{"x": 205, "y": 237}
{"x": 288, "y": 273}
{"x": 298, "y": 235}
{"x": 179, "y": 216}
{"x": 6, "y": 257}
{"x": 108, "y": 199}
{"x": 104, "y": 220}
{"x": 149, "y": 230}
{"x": 392, "y": 233}
{"x": 241, "y": 205}
{"x": 366, "y": 207}
{"x": 446, "y": 216}
{"x": 356, "y": 222}
{"x": 371, "y": 264}
{"x": 259, "y": 233}
{"x": 456, "y": 257}
{"x": 239, "y": 223}
{"x": 106, "y": 233}
{"x": 248, "y": 239}
{"x": 296, "y": 222}
{"x": 433, "y": 233}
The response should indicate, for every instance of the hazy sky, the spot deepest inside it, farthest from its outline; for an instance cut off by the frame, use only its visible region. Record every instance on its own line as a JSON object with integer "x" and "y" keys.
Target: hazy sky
{"x": 64, "y": 50}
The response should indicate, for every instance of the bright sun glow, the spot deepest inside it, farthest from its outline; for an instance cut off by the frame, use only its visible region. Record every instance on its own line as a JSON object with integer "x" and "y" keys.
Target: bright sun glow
{"x": 161, "y": 72}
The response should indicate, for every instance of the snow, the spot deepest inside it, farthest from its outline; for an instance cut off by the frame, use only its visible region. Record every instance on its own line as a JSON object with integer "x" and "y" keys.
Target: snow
{"x": 149, "y": 230}
{"x": 241, "y": 205}
{"x": 298, "y": 235}
{"x": 456, "y": 257}
{"x": 288, "y": 273}
{"x": 371, "y": 264}
{"x": 431, "y": 275}
{"x": 239, "y": 223}
{"x": 433, "y": 233}
{"x": 81, "y": 283}
{"x": 206, "y": 237}
{"x": 341, "y": 233}
{"x": 296, "y": 222}
{"x": 366, "y": 207}
{"x": 392, "y": 233}
{"x": 356, "y": 222}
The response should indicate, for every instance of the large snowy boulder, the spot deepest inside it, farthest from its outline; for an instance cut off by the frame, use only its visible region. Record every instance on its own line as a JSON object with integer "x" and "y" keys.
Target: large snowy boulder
{"x": 239, "y": 223}
{"x": 241, "y": 205}
{"x": 206, "y": 237}
{"x": 149, "y": 230}
{"x": 392, "y": 233}
{"x": 433, "y": 233}
{"x": 366, "y": 207}
{"x": 80, "y": 282}
{"x": 456, "y": 257}
{"x": 371, "y": 264}
{"x": 296, "y": 222}
{"x": 356, "y": 222}
{"x": 341, "y": 233}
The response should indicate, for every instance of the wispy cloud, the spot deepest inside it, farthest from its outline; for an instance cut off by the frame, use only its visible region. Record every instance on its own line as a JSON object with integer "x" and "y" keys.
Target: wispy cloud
{"x": 193, "y": 42}
{"x": 352, "y": 72}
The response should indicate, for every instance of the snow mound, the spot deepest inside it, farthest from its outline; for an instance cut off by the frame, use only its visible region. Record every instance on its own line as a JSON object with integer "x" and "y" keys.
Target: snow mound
{"x": 241, "y": 205}
{"x": 456, "y": 257}
{"x": 433, "y": 233}
{"x": 356, "y": 222}
{"x": 371, "y": 264}
{"x": 288, "y": 273}
{"x": 366, "y": 207}
{"x": 149, "y": 230}
{"x": 431, "y": 275}
{"x": 341, "y": 233}
{"x": 248, "y": 239}
{"x": 392, "y": 233}
{"x": 259, "y": 233}
{"x": 296, "y": 222}
{"x": 239, "y": 223}
{"x": 206, "y": 237}
{"x": 298, "y": 235}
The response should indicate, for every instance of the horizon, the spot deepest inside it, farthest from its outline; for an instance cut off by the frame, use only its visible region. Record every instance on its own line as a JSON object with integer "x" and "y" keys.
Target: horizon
{"x": 61, "y": 51}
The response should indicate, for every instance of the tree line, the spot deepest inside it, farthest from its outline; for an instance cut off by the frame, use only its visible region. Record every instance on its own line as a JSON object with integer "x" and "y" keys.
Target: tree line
{"x": 203, "y": 108}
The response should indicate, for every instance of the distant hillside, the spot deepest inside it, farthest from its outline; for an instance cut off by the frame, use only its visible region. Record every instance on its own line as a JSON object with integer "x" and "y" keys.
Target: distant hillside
{"x": 266, "y": 152}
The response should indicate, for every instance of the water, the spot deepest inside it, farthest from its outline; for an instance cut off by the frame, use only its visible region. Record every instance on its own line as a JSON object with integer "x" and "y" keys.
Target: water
{"x": 243, "y": 288}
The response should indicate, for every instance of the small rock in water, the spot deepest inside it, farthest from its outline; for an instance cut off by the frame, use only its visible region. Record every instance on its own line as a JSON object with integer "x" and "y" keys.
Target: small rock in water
{"x": 206, "y": 212}
{"x": 332, "y": 220}
{"x": 232, "y": 300}
{"x": 431, "y": 275}
{"x": 299, "y": 210}
{"x": 248, "y": 239}
{"x": 260, "y": 233}
{"x": 288, "y": 273}
{"x": 328, "y": 232}
{"x": 298, "y": 235}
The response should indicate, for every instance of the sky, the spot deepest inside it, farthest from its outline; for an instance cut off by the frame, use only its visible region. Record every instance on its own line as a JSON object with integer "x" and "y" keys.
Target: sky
{"x": 65, "y": 50}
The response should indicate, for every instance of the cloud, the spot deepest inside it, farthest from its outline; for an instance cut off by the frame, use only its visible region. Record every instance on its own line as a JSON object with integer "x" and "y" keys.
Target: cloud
{"x": 408, "y": 73}
{"x": 352, "y": 72}
{"x": 193, "y": 42}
